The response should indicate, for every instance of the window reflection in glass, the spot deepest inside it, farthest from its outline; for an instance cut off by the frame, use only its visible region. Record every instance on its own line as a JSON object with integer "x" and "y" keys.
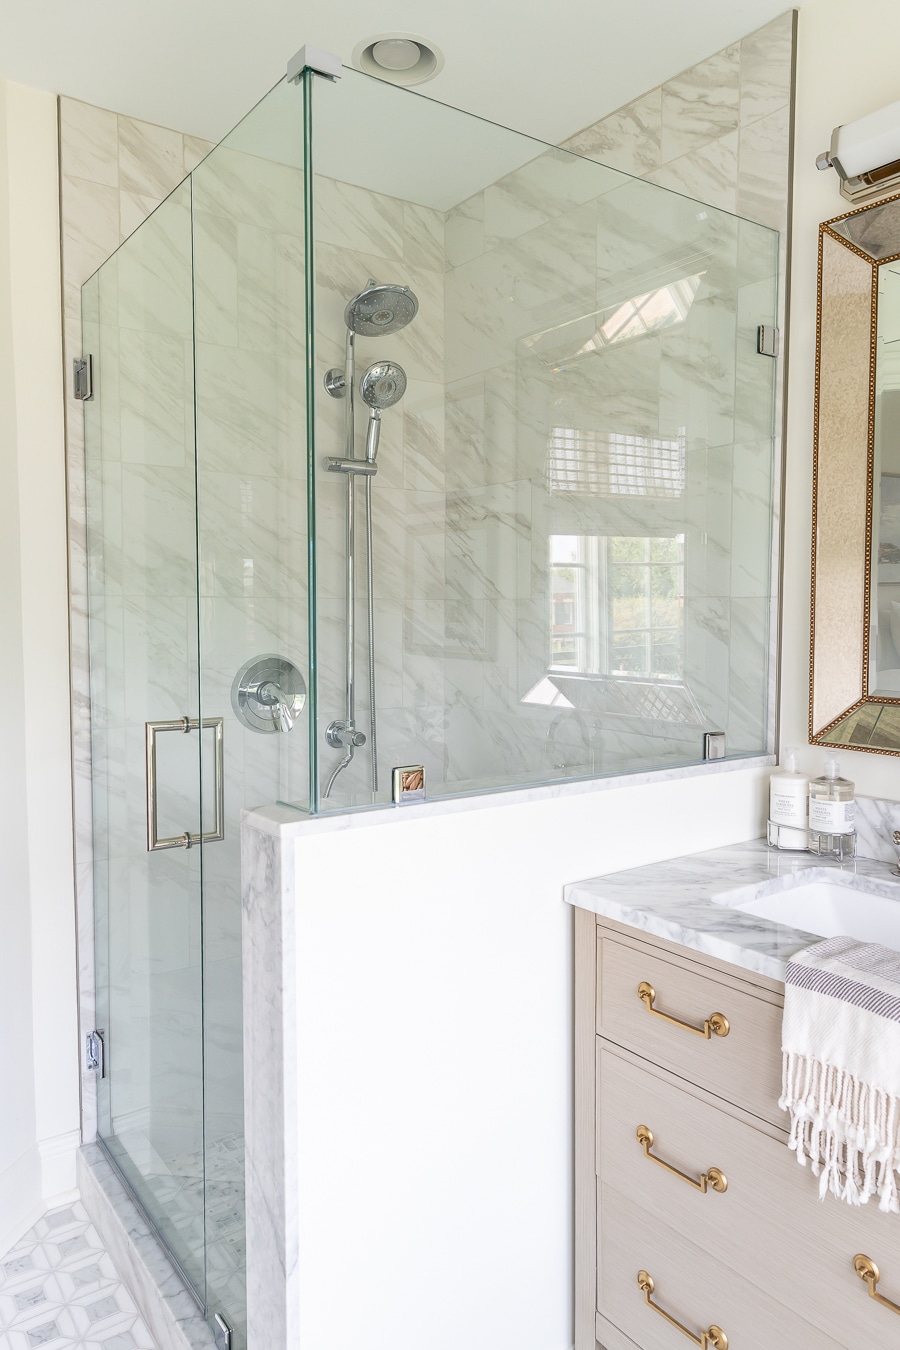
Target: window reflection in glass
{"x": 617, "y": 605}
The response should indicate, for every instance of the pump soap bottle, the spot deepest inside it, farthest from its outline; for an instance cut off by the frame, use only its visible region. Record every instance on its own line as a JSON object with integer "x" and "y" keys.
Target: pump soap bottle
{"x": 832, "y": 813}
{"x": 788, "y": 805}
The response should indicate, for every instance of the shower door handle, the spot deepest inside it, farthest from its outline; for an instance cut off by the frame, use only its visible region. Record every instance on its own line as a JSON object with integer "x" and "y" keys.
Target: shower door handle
{"x": 185, "y": 725}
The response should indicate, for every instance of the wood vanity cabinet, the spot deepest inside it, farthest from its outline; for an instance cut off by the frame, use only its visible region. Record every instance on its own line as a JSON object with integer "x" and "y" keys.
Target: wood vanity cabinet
{"x": 683, "y": 1173}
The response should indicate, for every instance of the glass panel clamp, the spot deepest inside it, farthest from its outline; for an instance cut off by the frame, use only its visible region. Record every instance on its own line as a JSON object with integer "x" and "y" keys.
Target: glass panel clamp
{"x": 83, "y": 378}
{"x": 768, "y": 339}
{"x": 224, "y": 1332}
{"x": 314, "y": 59}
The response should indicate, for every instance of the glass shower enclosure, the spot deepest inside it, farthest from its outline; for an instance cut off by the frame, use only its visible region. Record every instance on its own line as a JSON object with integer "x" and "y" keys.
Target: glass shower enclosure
{"x": 414, "y": 443}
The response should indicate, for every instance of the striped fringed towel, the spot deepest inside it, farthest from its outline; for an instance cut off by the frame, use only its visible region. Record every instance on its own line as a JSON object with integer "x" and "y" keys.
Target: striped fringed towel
{"x": 841, "y": 1063}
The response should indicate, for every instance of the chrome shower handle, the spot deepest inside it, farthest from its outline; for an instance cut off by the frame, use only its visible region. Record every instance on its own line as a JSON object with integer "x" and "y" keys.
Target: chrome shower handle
{"x": 185, "y": 725}
{"x": 281, "y": 703}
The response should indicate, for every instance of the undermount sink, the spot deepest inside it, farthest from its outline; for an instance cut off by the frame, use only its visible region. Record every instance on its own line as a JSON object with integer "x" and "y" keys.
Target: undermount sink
{"x": 832, "y": 904}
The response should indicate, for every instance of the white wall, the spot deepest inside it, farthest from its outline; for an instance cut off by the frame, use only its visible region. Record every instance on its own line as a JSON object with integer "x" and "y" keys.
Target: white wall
{"x": 846, "y": 67}
{"x": 434, "y": 1003}
{"x": 39, "y": 1117}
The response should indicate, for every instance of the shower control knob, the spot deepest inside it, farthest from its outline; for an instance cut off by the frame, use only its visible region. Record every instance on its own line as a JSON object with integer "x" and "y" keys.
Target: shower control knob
{"x": 340, "y": 735}
{"x": 268, "y": 694}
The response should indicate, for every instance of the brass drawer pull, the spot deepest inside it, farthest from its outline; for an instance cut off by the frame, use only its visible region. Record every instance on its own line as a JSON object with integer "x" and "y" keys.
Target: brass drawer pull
{"x": 867, "y": 1270}
{"x": 713, "y": 1337}
{"x": 716, "y": 1022}
{"x": 714, "y": 1177}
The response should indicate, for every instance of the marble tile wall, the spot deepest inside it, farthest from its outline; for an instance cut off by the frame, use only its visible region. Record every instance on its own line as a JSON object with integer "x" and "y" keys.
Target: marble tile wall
{"x": 114, "y": 171}
{"x": 361, "y": 235}
{"x": 721, "y": 132}
{"x": 556, "y": 240}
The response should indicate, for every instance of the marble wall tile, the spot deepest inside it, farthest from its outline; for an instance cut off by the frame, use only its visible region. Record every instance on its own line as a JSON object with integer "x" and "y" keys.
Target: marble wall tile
{"x": 766, "y": 69}
{"x": 753, "y": 523}
{"x": 151, "y": 158}
{"x": 134, "y": 208}
{"x": 423, "y": 437}
{"x": 628, "y": 139}
{"x": 88, "y": 142}
{"x": 701, "y": 104}
{"x": 251, "y": 190}
{"x": 464, "y": 231}
{"x": 464, "y": 418}
{"x": 271, "y": 292}
{"x": 749, "y": 642}
{"x": 549, "y": 187}
{"x": 216, "y": 269}
{"x": 707, "y": 173}
{"x": 423, "y": 237}
{"x": 90, "y": 225}
{"x": 195, "y": 150}
{"x": 350, "y": 217}
{"x": 761, "y": 156}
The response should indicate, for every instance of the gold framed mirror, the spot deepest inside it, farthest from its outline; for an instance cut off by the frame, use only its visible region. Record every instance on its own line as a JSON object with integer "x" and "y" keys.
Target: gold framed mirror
{"x": 855, "y": 637}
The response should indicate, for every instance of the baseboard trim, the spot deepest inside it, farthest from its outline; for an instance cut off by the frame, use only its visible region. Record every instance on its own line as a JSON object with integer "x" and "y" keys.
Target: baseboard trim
{"x": 170, "y": 1313}
{"x": 58, "y": 1166}
{"x": 21, "y": 1198}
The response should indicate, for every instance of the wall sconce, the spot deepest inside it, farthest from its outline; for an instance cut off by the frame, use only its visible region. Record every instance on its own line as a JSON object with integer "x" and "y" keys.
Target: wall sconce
{"x": 866, "y": 155}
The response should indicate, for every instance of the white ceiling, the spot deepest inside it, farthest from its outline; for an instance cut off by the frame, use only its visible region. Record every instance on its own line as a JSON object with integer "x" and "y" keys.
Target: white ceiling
{"x": 542, "y": 67}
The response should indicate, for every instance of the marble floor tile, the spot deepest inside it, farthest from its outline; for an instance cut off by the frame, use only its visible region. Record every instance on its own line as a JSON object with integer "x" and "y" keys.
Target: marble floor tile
{"x": 60, "y": 1289}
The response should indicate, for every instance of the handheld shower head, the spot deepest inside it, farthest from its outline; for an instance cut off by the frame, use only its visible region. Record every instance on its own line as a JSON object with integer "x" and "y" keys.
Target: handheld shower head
{"x": 383, "y": 385}
{"x": 380, "y": 310}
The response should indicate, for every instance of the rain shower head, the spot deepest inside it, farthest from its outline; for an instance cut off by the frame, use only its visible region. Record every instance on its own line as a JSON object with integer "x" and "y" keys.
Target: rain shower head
{"x": 380, "y": 310}
{"x": 383, "y": 385}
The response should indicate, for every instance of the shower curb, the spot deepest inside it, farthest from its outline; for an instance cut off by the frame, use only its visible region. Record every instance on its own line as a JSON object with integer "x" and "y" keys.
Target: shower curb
{"x": 168, "y": 1310}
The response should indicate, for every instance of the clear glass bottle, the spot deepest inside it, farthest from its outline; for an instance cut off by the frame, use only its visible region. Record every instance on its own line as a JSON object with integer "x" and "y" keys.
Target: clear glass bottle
{"x": 832, "y": 813}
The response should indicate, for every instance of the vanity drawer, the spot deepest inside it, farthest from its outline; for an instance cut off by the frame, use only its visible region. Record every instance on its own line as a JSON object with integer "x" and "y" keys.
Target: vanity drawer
{"x": 691, "y": 1284}
{"x": 743, "y": 1066}
{"x": 768, "y": 1224}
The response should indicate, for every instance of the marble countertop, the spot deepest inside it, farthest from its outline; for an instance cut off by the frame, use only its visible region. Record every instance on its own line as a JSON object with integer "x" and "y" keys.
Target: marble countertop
{"x": 674, "y": 900}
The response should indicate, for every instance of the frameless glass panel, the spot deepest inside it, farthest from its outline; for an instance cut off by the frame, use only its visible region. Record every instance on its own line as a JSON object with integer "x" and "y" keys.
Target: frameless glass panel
{"x": 250, "y": 321}
{"x": 142, "y": 571}
{"x": 571, "y": 500}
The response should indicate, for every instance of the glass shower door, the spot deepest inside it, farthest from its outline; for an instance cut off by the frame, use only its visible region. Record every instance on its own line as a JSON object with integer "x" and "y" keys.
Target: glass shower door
{"x": 146, "y": 742}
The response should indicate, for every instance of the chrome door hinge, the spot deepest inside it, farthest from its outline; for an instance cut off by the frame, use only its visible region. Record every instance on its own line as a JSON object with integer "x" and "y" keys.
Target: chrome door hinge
{"x": 83, "y": 373}
{"x": 95, "y": 1053}
{"x": 224, "y": 1332}
{"x": 768, "y": 339}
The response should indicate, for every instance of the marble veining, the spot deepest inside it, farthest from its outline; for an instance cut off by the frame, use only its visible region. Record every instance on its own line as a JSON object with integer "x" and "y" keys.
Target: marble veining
{"x": 675, "y": 900}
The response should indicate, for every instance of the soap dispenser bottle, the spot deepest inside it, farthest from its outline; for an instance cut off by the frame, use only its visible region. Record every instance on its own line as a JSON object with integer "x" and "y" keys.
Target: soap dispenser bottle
{"x": 832, "y": 813}
{"x": 788, "y": 805}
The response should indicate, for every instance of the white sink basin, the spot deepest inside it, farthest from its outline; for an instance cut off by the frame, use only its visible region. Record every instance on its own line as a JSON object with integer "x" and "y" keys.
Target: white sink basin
{"x": 833, "y": 905}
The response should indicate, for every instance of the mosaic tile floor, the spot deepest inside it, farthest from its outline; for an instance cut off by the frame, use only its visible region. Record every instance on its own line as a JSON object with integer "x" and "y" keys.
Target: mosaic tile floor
{"x": 59, "y": 1290}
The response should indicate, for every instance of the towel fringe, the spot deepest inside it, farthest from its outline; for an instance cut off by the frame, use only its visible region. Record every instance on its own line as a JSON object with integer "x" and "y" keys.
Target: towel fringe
{"x": 848, "y": 1130}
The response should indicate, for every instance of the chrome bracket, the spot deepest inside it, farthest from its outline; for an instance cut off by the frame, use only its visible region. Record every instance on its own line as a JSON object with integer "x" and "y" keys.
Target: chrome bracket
{"x": 223, "y": 1332}
{"x": 714, "y": 745}
{"x": 95, "y": 1053}
{"x": 315, "y": 59}
{"x": 186, "y": 840}
{"x": 335, "y": 382}
{"x": 83, "y": 378}
{"x": 768, "y": 339}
